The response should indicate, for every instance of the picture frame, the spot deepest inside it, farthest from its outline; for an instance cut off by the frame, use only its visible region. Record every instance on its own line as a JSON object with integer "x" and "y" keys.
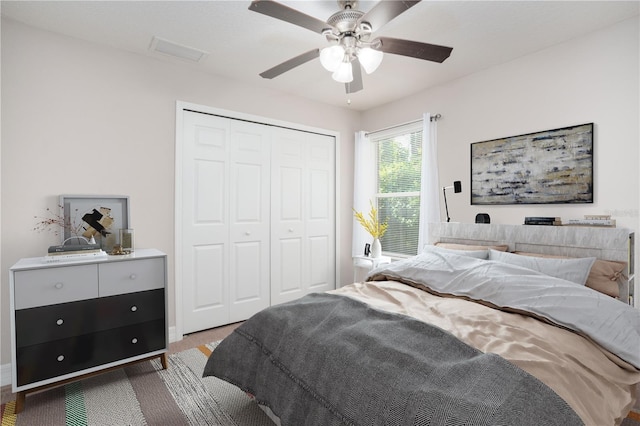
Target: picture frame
{"x": 548, "y": 167}
{"x": 97, "y": 216}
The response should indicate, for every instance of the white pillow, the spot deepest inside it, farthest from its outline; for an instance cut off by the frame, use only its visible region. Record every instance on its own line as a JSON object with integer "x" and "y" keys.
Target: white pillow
{"x": 574, "y": 270}
{"x": 478, "y": 254}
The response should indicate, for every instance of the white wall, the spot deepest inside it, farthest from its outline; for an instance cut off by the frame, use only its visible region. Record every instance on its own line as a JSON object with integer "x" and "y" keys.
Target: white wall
{"x": 590, "y": 79}
{"x": 79, "y": 118}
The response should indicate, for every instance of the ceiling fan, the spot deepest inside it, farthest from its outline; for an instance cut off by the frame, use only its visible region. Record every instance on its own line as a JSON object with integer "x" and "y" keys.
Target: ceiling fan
{"x": 349, "y": 32}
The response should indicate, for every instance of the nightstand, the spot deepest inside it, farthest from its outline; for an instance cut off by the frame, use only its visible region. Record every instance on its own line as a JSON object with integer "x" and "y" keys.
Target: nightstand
{"x": 366, "y": 264}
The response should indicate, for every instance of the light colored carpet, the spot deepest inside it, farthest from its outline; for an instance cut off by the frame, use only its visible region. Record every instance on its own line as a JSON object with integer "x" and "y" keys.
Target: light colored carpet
{"x": 143, "y": 394}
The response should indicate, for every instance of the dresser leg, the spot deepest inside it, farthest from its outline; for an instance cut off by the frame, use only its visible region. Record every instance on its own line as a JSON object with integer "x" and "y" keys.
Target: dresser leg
{"x": 164, "y": 360}
{"x": 20, "y": 397}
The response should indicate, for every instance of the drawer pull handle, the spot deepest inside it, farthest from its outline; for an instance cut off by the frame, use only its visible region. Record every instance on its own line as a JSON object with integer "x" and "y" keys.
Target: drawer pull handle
{"x": 60, "y": 321}
{"x": 59, "y": 285}
{"x": 60, "y": 358}
{"x": 132, "y": 276}
{"x": 134, "y": 340}
{"x": 134, "y": 308}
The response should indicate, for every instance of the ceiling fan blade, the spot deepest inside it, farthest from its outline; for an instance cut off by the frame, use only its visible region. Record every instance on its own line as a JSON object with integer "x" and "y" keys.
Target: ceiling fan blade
{"x": 415, "y": 49}
{"x": 287, "y": 14}
{"x": 290, "y": 64}
{"x": 385, "y": 11}
{"x": 356, "y": 84}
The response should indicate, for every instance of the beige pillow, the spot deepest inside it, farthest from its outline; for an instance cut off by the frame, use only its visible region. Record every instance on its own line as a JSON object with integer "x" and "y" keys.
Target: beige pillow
{"x": 603, "y": 277}
{"x": 454, "y": 246}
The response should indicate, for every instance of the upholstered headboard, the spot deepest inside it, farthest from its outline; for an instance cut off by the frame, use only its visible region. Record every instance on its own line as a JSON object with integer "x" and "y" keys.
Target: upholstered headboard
{"x": 572, "y": 241}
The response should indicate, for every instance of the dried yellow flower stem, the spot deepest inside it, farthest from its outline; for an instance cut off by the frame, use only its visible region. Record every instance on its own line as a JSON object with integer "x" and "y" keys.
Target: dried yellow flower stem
{"x": 371, "y": 225}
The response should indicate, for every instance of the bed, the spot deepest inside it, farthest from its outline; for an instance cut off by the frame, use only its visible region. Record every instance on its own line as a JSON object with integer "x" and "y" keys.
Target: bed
{"x": 470, "y": 331}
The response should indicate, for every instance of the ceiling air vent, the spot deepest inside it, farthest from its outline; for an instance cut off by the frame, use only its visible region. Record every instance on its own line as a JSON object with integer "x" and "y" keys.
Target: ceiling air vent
{"x": 167, "y": 47}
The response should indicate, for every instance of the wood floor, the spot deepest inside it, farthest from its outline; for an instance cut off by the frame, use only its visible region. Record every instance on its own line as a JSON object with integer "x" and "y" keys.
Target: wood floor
{"x": 206, "y": 336}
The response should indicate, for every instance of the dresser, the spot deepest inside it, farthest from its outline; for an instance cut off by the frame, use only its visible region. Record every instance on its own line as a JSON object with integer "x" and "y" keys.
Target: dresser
{"x": 71, "y": 319}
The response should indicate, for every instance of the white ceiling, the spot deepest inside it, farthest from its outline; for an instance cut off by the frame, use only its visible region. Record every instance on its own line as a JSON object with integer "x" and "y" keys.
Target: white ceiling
{"x": 242, "y": 43}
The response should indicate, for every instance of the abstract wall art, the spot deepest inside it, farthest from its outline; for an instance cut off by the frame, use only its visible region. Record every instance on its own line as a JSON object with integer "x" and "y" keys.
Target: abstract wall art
{"x": 549, "y": 167}
{"x": 97, "y": 216}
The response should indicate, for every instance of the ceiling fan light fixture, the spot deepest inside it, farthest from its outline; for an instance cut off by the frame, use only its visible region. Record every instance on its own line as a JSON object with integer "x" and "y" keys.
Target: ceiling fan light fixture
{"x": 344, "y": 73}
{"x": 331, "y": 57}
{"x": 370, "y": 59}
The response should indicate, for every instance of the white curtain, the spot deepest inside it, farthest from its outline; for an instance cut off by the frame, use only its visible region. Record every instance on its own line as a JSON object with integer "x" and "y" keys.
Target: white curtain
{"x": 364, "y": 188}
{"x": 429, "y": 187}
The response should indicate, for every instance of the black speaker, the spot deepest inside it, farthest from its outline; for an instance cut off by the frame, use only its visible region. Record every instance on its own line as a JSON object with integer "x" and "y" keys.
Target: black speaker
{"x": 483, "y": 218}
{"x": 457, "y": 187}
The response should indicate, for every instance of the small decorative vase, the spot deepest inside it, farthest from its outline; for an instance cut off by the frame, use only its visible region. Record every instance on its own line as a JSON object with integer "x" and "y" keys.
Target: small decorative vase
{"x": 376, "y": 248}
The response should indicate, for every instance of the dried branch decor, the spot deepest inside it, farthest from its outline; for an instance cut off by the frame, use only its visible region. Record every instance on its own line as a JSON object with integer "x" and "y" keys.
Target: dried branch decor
{"x": 372, "y": 225}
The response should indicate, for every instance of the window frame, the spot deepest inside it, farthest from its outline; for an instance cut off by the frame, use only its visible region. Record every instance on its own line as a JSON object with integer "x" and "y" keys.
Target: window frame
{"x": 389, "y": 133}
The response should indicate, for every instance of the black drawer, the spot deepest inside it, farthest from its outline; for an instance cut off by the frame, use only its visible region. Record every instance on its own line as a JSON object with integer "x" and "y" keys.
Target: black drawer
{"x": 55, "y": 358}
{"x": 56, "y": 322}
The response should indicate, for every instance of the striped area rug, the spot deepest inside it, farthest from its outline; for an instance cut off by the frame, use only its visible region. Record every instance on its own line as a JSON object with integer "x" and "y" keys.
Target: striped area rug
{"x": 143, "y": 394}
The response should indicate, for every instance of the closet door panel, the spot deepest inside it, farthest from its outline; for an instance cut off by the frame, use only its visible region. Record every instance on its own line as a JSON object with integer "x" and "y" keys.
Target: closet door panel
{"x": 249, "y": 212}
{"x": 303, "y": 222}
{"x": 210, "y": 294}
{"x": 289, "y": 277}
{"x": 320, "y": 217}
{"x": 321, "y": 271}
{"x": 205, "y": 248}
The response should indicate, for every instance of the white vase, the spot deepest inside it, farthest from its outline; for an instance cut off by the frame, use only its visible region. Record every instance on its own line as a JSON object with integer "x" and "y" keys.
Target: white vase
{"x": 376, "y": 248}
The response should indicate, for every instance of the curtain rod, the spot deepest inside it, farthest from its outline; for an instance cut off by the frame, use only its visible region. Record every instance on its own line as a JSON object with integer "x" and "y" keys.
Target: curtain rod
{"x": 434, "y": 117}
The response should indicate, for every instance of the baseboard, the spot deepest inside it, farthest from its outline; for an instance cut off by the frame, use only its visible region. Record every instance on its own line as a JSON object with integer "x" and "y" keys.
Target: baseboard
{"x": 172, "y": 334}
{"x": 5, "y": 375}
{"x": 5, "y": 370}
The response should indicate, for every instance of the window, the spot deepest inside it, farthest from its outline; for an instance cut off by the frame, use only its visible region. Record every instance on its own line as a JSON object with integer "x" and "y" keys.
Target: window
{"x": 399, "y": 161}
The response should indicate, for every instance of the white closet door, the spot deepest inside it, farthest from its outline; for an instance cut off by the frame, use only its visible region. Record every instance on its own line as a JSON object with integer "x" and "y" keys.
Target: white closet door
{"x": 205, "y": 231}
{"x": 249, "y": 219}
{"x": 302, "y": 211}
{"x": 258, "y": 208}
{"x": 225, "y": 185}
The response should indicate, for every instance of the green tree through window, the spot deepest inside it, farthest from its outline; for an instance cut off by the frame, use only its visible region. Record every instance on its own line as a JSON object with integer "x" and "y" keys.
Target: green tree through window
{"x": 398, "y": 198}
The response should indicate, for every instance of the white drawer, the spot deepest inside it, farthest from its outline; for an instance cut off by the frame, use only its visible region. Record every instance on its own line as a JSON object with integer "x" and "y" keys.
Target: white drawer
{"x": 50, "y": 286}
{"x": 130, "y": 276}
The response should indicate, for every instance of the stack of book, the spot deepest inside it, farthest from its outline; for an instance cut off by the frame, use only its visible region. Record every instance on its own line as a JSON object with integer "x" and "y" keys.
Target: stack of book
{"x": 74, "y": 252}
{"x": 594, "y": 220}
{"x": 542, "y": 220}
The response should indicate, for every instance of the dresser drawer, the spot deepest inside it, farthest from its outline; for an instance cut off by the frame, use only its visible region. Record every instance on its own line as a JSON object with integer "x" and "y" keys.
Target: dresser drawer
{"x": 131, "y": 276}
{"x": 56, "y": 322}
{"x": 40, "y": 287}
{"x": 52, "y": 359}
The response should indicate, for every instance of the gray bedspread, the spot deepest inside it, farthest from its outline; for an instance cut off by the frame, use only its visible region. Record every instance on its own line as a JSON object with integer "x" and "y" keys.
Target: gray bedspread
{"x": 327, "y": 360}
